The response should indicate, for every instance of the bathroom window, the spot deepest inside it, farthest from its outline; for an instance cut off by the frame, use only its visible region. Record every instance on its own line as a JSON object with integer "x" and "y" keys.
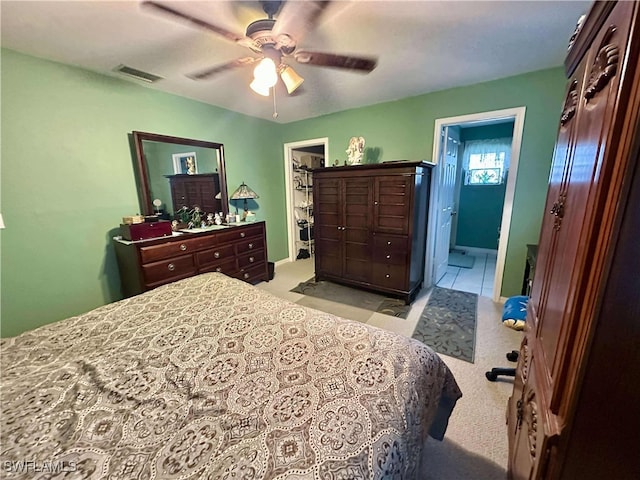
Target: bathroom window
{"x": 486, "y": 162}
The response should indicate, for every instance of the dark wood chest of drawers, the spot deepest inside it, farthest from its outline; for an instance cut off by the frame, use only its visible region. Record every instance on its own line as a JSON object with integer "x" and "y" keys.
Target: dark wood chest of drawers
{"x": 237, "y": 251}
{"x": 195, "y": 190}
{"x": 370, "y": 225}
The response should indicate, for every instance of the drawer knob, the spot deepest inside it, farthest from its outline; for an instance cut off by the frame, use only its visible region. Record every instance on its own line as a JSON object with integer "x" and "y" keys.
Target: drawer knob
{"x": 251, "y": 259}
{"x": 389, "y": 243}
{"x": 219, "y": 269}
{"x": 216, "y": 254}
{"x": 387, "y": 276}
{"x": 250, "y": 246}
{"x": 183, "y": 247}
{"x": 171, "y": 267}
{"x": 246, "y": 275}
{"x": 375, "y": 203}
{"x": 242, "y": 234}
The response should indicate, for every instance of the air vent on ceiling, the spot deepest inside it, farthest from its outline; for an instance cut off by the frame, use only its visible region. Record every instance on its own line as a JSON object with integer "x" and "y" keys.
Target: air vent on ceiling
{"x": 137, "y": 74}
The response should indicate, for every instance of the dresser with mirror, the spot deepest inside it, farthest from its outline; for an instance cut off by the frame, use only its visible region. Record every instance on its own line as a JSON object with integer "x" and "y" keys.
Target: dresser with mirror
{"x": 165, "y": 185}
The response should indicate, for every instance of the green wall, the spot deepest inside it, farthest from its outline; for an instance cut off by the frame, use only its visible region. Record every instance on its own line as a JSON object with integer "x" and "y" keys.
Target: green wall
{"x": 480, "y": 206}
{"x": 67, "y": 171}
{"x": 404, "y": 130}
{"x": 67, "y": 180}
{"x": 479, "y": 215}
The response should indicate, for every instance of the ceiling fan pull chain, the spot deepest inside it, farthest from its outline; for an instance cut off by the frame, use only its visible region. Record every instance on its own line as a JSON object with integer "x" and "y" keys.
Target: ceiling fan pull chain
{"x": 275, "y": 108}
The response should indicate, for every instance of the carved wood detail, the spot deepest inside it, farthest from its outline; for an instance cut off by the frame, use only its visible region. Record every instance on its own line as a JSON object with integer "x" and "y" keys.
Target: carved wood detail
{"x": 532, "y": 423}
{"x": 525, "y": 360}
{"x": 605, "y": 66}
{"x": 558, "y": 211}
{"x": 570, "y": 104}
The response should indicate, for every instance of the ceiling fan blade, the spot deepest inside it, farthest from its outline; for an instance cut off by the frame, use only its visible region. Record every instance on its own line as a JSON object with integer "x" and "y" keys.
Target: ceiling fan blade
{"x": 363, "y": 64}
{"x": 296, "y": 19}
{"x": 209, "y": 72}
{"x": 229, "y": 35}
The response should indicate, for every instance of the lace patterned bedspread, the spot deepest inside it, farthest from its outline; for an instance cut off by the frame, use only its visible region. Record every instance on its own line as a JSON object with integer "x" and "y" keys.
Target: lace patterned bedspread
{"x": 211, "y": 378}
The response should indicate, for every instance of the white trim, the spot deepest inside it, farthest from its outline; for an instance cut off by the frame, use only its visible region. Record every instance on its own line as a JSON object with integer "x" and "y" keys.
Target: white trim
{"x": 288, "y": 185}
{"x": 282, "y": 262}
{"x": 517, "y": 114}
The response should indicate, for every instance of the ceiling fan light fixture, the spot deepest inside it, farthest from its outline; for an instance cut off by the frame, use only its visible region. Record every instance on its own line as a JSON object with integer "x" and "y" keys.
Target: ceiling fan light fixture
{"x": 290, "y": 78}
{"x": 259, "y": 88}
{"x": 265, "y": 72}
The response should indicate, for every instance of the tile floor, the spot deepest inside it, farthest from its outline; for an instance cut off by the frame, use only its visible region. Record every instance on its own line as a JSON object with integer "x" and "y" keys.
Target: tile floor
{"x": 478, "y": 279}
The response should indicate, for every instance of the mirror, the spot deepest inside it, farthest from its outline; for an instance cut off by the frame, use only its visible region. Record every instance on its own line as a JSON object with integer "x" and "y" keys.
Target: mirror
{"x": 173, "y": 172}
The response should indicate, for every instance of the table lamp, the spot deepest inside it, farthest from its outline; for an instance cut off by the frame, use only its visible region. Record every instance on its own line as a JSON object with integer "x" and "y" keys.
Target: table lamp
{"x": 243, "y": 192}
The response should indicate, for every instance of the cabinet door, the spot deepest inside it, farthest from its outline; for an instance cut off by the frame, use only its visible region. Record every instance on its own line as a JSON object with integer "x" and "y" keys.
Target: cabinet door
{"x": 535, "y": 434}
{"x": 179, "y": 195}
{"x": 554, "y": 209}
{"x": 342, "y": 213}
{"x": 357, "y": 193}
{"x": 327, "y": 202}
{"x": 576, "y": 217}
{"x": 392, "y": 203}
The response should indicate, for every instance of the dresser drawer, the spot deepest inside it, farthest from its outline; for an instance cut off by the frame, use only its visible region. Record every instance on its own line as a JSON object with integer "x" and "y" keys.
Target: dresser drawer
{"x": 390, "y": 257}
{"x": 167, "y": 250}
{"x": 215, "y": 256}
{"x": 228, "y": 267}
{"x": 248, "y": 260}
{"x": 255, "y": 243}
{"x": 168, "y": 270}
{"x": 390, "y": 276}
{"x": 236, "y": 234}
{"x": 396, "y": 243}
{"x": 253, "y": 274}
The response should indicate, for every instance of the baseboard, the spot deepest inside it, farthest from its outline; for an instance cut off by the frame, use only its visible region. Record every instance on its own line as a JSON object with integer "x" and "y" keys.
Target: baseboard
{"x": 476, "y": 250}
{"x": 282, "y": 262}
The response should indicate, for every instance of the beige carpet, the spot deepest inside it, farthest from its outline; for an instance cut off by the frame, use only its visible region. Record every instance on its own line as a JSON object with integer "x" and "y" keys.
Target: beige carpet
{"x": 475, "y": 446}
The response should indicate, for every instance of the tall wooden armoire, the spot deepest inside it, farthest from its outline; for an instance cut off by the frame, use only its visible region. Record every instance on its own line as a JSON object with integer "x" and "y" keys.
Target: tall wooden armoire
{"x": 575, "y": 408}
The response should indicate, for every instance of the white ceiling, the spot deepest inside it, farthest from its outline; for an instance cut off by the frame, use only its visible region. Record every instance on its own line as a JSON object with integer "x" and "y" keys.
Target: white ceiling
{"x": 421, "y": 46}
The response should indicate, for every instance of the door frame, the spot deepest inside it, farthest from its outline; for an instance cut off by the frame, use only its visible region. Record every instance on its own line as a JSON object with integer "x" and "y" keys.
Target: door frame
{"x": 288, "y": 185}
{"x": 517, "y": 114}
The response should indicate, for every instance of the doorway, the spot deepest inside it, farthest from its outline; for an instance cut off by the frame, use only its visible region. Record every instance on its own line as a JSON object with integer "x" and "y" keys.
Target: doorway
{"x": 441, "y": 207}
{"x": 298, "y": 209}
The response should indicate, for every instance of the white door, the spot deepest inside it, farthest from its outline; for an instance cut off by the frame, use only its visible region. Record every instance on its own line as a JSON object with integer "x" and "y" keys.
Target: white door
{"x": 449, "y": 142}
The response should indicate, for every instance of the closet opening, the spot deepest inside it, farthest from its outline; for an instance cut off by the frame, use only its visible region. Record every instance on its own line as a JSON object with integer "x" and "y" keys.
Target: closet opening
{"x": 300, "y": 159}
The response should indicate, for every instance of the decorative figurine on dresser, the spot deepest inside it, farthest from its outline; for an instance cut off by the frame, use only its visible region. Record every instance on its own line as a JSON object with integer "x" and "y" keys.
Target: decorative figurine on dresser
{"x": 194, "y": 239}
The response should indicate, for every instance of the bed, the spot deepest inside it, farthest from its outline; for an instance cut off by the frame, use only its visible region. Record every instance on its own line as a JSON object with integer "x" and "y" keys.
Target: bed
{"x": 212, "y": 378}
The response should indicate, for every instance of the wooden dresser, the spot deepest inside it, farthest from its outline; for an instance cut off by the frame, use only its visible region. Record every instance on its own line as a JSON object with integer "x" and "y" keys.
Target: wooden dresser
{"x": 370, "y": 225}
{"x": 237, "y": 251}
{"x": 574, "y": 410}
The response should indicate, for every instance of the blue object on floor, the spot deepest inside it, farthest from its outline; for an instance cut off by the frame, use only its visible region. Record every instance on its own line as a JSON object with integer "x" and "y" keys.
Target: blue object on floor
{"x": 515, "y": 312}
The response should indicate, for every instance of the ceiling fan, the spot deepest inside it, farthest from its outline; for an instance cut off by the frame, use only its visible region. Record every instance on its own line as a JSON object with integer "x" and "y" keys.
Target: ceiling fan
{"x": 273, "y": 41}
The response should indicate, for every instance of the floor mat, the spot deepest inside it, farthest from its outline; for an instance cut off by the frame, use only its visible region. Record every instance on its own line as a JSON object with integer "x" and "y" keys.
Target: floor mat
{"x": 457, "y": 259}
{"x": 448, "y": 323}
{"x": 354, "y": 297}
